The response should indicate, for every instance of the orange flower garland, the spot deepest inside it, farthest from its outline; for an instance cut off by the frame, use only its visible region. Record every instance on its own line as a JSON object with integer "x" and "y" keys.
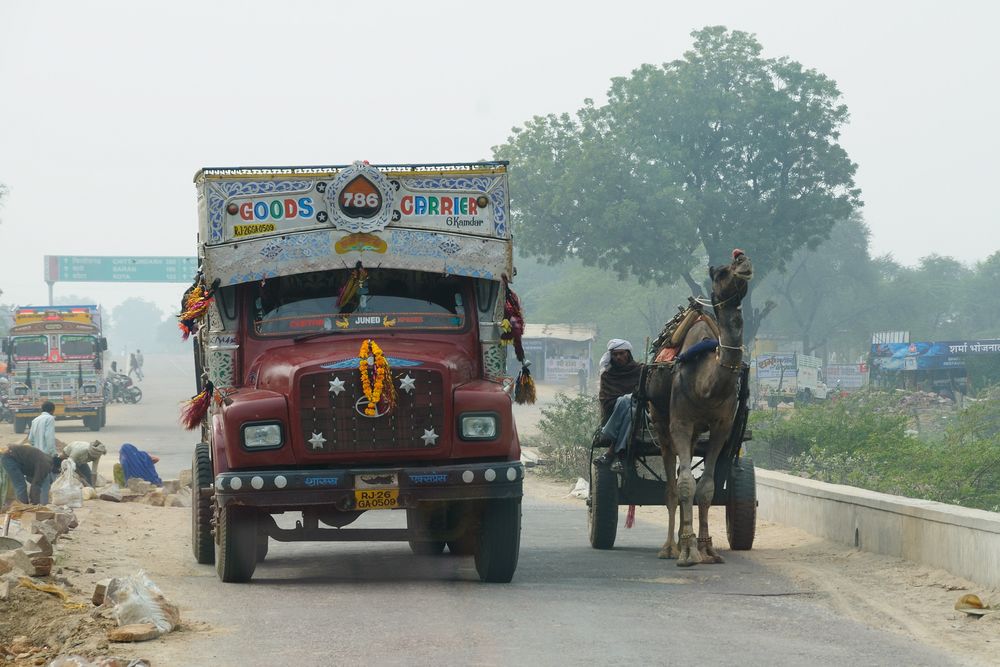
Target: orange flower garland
{"x": 382, "y": 387}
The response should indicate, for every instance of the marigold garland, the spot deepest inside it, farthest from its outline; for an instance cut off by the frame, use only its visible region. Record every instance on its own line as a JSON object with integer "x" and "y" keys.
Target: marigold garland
{"x": 381, "y": 390}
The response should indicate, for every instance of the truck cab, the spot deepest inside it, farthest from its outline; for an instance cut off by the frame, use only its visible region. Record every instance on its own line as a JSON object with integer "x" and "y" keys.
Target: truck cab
{"x": 327, "y": 285}
{"x": 56, "y": 353}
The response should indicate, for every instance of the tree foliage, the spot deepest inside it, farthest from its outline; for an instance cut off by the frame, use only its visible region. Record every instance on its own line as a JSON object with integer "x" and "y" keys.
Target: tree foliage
{"x": 135, "y": 323}
{"x": 723, "y": 148}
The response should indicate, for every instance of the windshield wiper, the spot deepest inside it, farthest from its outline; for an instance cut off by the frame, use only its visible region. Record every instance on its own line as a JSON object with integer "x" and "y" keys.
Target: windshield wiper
{"x": 318, "y": 334}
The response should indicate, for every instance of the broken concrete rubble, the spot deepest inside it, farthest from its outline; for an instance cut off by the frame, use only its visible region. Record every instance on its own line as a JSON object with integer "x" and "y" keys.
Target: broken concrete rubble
{"x": 136, "y": 632}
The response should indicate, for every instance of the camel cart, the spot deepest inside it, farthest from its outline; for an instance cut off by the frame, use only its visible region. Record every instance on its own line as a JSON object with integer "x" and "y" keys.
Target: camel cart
{"x": 642, "y": 480}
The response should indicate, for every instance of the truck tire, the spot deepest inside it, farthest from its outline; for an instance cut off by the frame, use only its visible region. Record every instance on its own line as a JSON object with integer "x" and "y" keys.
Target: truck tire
{"x": 236, "y": 558}
{"x": 20, "y": 424}
{"x": 103, "y": 416}
{"x": 262, "y": 544}
{"x": 93, "y": 423}
{"x": 602, "y": 510}
{"x": 741, "y": 507}
{"x": 425, "y": 518}
{"x": 499, "y": 540}
{"x": 201, "y": 506}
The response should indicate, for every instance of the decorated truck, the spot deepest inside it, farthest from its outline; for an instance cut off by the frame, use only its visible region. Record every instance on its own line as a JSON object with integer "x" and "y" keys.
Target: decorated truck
{"x": 351, "y": 326}
{"x": 789, "y": 378}
{"x": 56, "y": 353}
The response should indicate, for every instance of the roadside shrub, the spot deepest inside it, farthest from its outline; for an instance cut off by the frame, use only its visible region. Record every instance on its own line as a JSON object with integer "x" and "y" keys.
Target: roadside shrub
{"x": 862, "y": 441}
{"x": 566, "y": 431}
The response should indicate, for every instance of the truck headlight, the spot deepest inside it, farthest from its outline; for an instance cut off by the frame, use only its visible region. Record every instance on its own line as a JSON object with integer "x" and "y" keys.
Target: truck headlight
{"x": 472, "y": 426}
{"x": 262, "y": 436}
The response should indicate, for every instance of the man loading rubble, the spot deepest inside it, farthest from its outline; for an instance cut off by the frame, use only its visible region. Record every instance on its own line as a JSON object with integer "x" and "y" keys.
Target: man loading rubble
{"x": 27, "y": 465}
{"x": 83, "y": 454}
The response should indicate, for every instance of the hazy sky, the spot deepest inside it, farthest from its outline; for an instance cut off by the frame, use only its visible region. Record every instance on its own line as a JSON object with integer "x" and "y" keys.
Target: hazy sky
{"x": 109, "y": 108}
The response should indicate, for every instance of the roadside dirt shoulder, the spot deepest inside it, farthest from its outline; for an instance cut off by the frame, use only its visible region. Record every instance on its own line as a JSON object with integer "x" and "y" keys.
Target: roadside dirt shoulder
{"x": 882, "y": 592}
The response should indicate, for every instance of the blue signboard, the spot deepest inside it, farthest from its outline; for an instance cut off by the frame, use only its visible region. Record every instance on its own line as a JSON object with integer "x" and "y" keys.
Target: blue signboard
{"x": 98, "y": 269}
{"x": 919, "y": 356}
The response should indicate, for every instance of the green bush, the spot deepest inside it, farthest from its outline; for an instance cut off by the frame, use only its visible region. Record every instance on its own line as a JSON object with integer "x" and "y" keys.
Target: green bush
{"x": 862, "y": 441}
{"x": 567, "y": 429}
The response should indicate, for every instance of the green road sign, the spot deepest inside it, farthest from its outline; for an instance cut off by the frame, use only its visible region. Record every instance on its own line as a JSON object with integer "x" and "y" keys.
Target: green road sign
{"x": 73, "y": 268}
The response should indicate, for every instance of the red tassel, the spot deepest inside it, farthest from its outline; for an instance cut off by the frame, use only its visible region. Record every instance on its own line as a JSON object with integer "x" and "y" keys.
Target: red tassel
{"x": 195, "y": 409}
{"x": 630, "y": 516}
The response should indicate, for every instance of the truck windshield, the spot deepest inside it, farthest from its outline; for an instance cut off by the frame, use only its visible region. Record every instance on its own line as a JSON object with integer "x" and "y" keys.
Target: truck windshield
{"x": 77, "y": 347}
{"x": 31, "y": 348}
{"x": 310, "y": 303}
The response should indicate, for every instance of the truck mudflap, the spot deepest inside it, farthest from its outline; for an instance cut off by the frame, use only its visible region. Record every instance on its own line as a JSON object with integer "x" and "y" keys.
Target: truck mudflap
{"x": 352, "y": 489}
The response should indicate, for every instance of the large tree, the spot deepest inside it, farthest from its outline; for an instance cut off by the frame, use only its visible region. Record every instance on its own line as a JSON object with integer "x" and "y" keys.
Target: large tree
{"x": 723, "y": 148}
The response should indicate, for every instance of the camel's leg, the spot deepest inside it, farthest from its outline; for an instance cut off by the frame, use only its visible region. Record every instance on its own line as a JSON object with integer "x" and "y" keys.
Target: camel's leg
{"x": 660, "y": 421}
{"x": 706, "y": 490}
{"x": 682, "y": 437}
{"x": 670, "y": 549}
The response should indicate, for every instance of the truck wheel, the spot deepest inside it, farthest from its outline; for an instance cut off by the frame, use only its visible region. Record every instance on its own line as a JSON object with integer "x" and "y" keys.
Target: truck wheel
{"x": 262, "y": 544}
{"x": 426, "y": 518}
{"x": 499, "y": 540}
{"x": 602, "y": 510}
{"x": 103, "y": 415}
{"x": 201, "y": 506}
{"x": 20, "y": 424}
{"x": 237, "y": 556}
{"x": 93, "y": 423}
{"x": 741, "y": 507}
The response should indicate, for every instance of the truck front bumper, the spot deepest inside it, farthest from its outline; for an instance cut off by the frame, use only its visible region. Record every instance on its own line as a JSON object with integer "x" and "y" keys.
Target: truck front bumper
{"x": 296, "y": 488}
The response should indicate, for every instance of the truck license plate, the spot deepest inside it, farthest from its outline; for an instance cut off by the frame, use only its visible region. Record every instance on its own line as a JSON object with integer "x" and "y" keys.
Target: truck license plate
{"x": 376, "y": 499}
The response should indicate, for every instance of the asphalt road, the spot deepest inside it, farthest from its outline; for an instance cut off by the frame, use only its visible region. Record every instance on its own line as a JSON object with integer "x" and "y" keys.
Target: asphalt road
{"x": 339, "y": 603}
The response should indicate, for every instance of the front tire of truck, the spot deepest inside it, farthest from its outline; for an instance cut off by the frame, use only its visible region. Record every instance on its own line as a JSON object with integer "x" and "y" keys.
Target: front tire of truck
{"x": 20, "y": 424}
{"x": 201, "y": 506}
{"x": 93, "y": 423}
{"x": 426, "y": 519}
{"x": 236, "y": 559}
{"x": 103, "y": 416}
{"x": 499, "y": 541}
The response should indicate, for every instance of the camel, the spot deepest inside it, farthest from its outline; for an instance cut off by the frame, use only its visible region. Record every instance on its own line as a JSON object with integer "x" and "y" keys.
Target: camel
{"x": 701, "y": 395}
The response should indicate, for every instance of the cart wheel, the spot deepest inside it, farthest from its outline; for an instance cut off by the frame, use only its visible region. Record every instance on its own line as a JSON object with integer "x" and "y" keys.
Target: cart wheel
{"x": 201, "y": 506}
{"x": 602, "y": 513}
{"x": 236, "y": 558}
{"x": 741, "y": 508}
{"x": 499, "y": 540}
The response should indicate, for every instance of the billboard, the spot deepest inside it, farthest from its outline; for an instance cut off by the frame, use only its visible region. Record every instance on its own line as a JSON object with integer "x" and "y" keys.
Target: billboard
{"x": 930, "y": 355}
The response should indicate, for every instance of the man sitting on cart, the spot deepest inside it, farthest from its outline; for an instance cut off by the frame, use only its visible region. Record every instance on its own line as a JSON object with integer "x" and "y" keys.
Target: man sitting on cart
{"x": 619, "y": 380}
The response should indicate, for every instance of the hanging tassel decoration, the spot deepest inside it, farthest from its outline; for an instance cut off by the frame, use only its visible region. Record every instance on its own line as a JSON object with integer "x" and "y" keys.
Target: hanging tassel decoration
{"x": 354, "y": 282}
{"x": 513, "y": 323}
{"x": 194, "y": 410}
{"x": 630, "y": 516}
{"x": 524, "y": 387}
{"x": 194, "y": 304}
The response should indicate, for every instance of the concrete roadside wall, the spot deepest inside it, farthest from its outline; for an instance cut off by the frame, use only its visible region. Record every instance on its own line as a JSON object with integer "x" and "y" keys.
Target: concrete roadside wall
{"x": 965, "y": 542}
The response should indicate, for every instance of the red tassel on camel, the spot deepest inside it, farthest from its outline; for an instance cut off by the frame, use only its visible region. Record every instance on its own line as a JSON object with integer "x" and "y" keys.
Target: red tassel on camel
{"x": 196, "y": 408}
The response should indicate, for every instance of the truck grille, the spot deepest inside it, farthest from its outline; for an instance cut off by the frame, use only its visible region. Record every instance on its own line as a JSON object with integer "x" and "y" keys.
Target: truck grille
{"x": 345, "y": 429}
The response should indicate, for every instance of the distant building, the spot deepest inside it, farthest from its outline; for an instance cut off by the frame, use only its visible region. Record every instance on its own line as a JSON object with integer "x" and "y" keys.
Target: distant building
{"x": 557, "y": 352}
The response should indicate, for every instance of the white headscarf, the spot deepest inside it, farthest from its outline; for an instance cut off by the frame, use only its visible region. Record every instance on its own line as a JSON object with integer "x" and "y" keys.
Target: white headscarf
{"x": 614, "y": 344}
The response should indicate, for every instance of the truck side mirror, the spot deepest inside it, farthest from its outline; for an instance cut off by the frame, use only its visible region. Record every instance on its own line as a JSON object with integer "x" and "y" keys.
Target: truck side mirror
{"x": 102, "y": 343}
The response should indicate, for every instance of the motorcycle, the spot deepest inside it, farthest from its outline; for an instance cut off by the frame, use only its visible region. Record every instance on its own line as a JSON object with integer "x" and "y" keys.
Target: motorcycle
{"x": 118, "y": 388}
